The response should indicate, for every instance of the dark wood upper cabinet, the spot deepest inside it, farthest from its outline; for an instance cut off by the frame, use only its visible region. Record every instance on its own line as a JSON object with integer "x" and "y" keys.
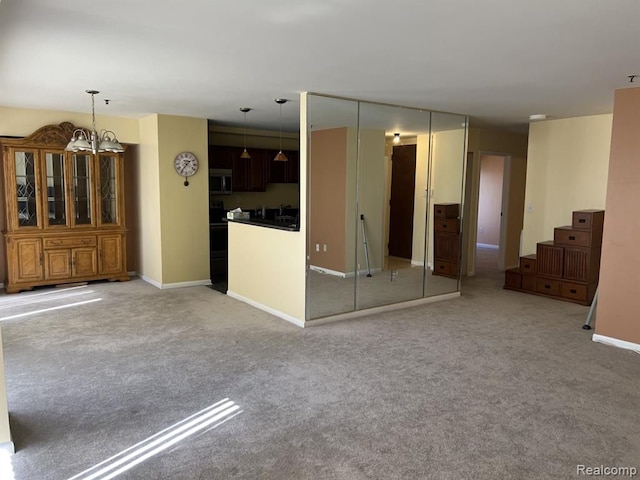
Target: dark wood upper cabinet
{"x": 284, "y": 172}
{"x": 253, "y": 174}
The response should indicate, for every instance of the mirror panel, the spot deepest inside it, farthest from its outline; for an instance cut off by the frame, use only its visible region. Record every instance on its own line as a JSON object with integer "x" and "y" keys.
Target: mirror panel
{"x": 392, "y": 178}
{"x": 333, "y": 151}
{"x": 383, "y": 221}
{"x": 448, "y": 146}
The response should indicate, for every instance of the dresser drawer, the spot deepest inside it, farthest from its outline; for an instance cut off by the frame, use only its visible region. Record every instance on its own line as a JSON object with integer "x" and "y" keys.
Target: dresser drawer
{"x": 588, "y": 219}
{"x": 571, "y": 236}
{"x": 445, "y": 268}
{"x": 513, "y": 278}
{"x": 528, "y": 264}
{"x": 574, "y": 291}
{"x": 447, "y": 225}
{"x": 548, "y": 286}
{"x": 70, "y": 242}
{"x": 529, "y": 282}
{"x": 446, "y": 210}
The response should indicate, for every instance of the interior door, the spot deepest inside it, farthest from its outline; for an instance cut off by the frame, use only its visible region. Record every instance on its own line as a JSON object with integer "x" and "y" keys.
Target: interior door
{"x": 403, "y": 181}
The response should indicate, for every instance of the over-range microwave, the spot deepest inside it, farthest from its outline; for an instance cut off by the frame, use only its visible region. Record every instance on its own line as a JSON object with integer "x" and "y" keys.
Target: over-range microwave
{"x": 220, "y": 181}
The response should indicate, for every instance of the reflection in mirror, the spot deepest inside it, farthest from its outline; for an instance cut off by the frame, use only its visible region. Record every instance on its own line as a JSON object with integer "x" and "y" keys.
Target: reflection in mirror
{"x": 448, "y": 145}
{"x": 391, "y": 185}
{"x": 372, "y": 196}
{"x": 331, "y": 167}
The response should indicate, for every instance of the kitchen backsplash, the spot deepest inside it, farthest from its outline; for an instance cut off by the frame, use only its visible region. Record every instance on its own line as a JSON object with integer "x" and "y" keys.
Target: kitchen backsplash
{"x": 276, "y": 194}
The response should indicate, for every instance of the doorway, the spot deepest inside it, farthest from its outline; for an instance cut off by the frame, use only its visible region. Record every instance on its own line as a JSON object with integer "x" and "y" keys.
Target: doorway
{"x": 489, "y": 230}
{"x": 401, "y": 204}
{"x": 496, "y": 218}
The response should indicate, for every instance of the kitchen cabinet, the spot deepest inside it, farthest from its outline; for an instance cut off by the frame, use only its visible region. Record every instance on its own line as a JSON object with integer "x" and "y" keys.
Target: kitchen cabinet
{"x": 284, "y": 172}
{"x": 248, "y": 174}
{"x": 59, "y": 206}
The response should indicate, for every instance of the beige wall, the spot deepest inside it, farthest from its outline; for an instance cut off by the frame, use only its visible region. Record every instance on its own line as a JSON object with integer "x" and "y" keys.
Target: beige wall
{"x": 447, "y": 167}
{"x": 184, "y": 211}
{"x": 567, "y": 168}
{"x": 517, "y": 175}
{"x": 371, "y": 200}
{"x": 490, "y": 199}
{"x": 420, "y": 199}
{"x": 267, "y": 268}
{"x": 148, "y": 186}
{"x": 618, "y": 313}
{"x": 21, "y": 122}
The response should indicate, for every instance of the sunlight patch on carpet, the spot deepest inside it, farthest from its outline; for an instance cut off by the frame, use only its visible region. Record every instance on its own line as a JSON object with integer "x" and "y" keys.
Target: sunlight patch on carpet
{"x": 206, "y": 419}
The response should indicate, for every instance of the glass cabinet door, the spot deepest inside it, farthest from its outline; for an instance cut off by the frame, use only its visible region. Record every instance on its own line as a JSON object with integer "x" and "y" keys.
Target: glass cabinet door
{"x": 56, "y": 205}
{"x": 108, "y": 192}
{"x": 26, "y": 193}
{"x": 81, "y": 187}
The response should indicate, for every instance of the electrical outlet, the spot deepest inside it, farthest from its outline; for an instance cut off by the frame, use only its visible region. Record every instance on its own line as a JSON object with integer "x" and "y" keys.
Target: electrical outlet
{"x": 481, "y": 229}
{"x": 530, "y": 207}
{"x": 317, "y": 247}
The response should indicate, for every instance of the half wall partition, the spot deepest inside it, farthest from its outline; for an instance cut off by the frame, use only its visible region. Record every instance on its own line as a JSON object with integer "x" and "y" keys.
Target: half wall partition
{"x": 375, "y": 173}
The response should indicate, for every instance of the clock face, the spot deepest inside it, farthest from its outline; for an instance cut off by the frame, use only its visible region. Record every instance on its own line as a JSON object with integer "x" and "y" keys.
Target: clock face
{"x": 186, "y": 164}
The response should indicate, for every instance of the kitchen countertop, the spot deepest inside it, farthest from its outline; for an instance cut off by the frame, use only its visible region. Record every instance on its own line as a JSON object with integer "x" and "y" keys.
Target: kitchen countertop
{"x": 262, "y": 222}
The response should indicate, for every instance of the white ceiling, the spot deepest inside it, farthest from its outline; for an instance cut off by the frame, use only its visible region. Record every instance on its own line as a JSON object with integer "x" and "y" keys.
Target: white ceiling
{"x": 496, "y": 60}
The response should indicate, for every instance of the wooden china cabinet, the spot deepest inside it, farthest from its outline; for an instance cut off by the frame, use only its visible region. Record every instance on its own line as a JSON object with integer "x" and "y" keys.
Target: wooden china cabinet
{"x": 64, "y": 211}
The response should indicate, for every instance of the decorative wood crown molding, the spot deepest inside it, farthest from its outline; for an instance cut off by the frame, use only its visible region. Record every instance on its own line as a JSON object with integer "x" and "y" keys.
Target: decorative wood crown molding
{"x": 48, "y": 136}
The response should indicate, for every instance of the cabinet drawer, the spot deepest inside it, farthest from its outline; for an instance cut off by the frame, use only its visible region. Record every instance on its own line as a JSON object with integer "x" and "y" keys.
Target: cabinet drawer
{"x": 548, "y": 286}
{"x": 529, "y": 282}
{"x": 574, "y": 291}
{"x": 447, "y": 225}
{"x": 445, "y": 268}
{"x": 513, "y": 278}
{"x": 446, "y": 210}
{"x": 528, "y": 264}
{"x": 588, "y": 219}
{"x": 571, "y": 236}
{"x": 70, "y": 242}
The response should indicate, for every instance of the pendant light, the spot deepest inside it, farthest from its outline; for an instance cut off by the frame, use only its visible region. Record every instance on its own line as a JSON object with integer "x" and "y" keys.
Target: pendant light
{"x": 84, "y": 140}
{"x": 245, "y": 154}
{"x": 281, "y": 157}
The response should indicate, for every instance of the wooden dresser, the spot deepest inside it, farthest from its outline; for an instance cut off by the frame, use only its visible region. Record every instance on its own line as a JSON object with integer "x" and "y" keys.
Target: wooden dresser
{"x": 566, "y": 267}
{"x": 64, "y": 211}
{"x": 446, "y": 239}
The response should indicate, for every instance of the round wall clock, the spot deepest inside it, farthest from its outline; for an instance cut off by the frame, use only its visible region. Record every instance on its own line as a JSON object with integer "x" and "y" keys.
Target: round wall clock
{"x": 186, "y": 164}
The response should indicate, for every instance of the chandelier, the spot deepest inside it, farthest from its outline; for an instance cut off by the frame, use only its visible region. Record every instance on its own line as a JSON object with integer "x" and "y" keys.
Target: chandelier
{"x": 84, "y": 140}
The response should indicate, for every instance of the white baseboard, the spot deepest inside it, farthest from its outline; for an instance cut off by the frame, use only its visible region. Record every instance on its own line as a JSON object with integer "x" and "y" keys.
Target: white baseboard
{"x": 383, "y": 308}
{"x": 163, "y": 286}
{"x": 1, "y": 285}
{"x": 487, "y": 245}
{"x": 616, "y": 343}
{"x": 328, "y": 271}
{"x": 132, "y": 274}
{"x": 265, "y": 308}
{"x": 420, "y": 263}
